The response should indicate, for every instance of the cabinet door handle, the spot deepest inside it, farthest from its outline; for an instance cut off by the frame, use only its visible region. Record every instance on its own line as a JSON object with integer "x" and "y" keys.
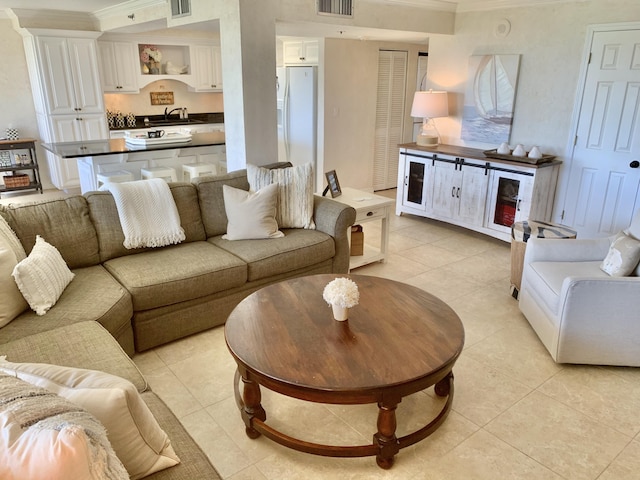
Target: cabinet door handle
{"x": 406, "y": 180}
{"x": 453, "y": 191}
{"x": 518, "y": 206}
{"x": 458, "y": 193}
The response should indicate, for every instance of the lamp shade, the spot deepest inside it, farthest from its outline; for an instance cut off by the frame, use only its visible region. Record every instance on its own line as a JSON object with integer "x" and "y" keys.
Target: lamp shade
{"x": 430, "y": 104}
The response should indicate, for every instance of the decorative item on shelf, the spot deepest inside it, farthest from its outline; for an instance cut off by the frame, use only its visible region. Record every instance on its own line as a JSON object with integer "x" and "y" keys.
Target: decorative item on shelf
{"x": 12, "y": 133}
{"x": 131, "y": 120}
{"x": 535, "y": 153}
{"x": 504, "y": 149}
{"x": 18, "y": 180}
{"x": 111, "y": 119}
{"x": 429, "y": 105}
{"x": 150, "y": 57}
{"x": 5, "y": 158}
{"x": 119, "y": 120}
{"x": 519, "y": 151}
{"x": 357, "y": 241}
{"x": 342, "y": 294}
{"x": 172, "y": 69}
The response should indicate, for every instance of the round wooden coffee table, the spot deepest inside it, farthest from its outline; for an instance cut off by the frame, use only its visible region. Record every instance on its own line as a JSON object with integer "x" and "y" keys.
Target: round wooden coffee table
{"x": 398, "y": 340}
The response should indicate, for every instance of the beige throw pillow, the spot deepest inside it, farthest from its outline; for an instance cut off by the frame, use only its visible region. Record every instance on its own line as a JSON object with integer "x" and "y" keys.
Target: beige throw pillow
{"x": 623, "y": 256}
{"x": 140, "y": 443}
{"x": 295, "y": 193}
{"x": 42, "y": 276}
{"x": 46, "y": 436}
{"x": 251, "y": 215}
{"x": 11, "y": 252}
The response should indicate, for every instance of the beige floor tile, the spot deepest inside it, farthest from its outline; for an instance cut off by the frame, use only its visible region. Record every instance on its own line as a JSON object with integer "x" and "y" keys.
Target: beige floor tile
{"x": 179, "y": 350}
{"x": 427, "y": 231}
{"x": 251, "y": 473}
{"x": 148, "y": 361}
{"x": 482, "y": 393}
{"x": 445, "y": 285}
{"x": 595, "y": 392}
{"x": 432, "y": 256}
{"x": 177, "y": 397}
{"x": 396, "y": 267}
{"x": 485, "y": 457}
{"x": 479, "y": 269}
{"x": 625, "y": 466}
{"x": 564, "y": 440}
{"x": 467, "y": 243}
{"x": 216, "y": 444}
{"x": 517, "y": 352}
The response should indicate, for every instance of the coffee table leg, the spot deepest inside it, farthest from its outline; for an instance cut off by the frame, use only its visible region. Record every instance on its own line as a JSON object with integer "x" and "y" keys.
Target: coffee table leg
{"x": 252, "y": 409}
{"x": 386, "y": 435}
{"x": 443, "y": 387}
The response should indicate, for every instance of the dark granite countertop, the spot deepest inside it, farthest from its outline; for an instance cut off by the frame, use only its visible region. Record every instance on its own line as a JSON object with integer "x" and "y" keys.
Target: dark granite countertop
{"x": 118, "y": 145}
{"x": 173, "y": 120}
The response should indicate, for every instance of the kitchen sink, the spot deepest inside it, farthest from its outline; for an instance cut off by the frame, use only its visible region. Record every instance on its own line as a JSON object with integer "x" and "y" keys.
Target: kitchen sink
{"x": 184, "y": 121}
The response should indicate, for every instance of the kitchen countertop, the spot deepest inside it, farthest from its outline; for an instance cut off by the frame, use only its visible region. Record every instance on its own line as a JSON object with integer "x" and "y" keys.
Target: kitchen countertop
{"x": 118, "y": 145}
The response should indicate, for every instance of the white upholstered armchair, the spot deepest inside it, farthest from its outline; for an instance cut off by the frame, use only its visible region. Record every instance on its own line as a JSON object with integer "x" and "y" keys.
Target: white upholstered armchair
{"x": 580, "y": 313}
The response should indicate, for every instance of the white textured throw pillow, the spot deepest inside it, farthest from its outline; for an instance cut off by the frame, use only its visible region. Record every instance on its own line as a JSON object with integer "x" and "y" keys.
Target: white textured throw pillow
{"x": 42, "y": 276}
{"x": 251, "y": 215}
{"x": 11, "y": 252}
{"x": 295, "y": 192}
{"x": 46, "y": 436}
{"x": 623, "y": 256}
{"x": 140, "y": 443}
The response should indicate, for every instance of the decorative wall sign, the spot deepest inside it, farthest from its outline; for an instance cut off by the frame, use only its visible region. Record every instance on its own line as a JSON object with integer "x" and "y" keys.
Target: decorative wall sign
{"x": 489, "y": 98}
{"x": 161, "y": 98}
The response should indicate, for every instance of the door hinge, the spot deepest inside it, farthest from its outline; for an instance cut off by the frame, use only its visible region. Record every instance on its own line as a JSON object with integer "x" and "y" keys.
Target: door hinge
{"x": 562, "y": 215}
{"x": 589, "y": 60}
{"x": 575, "y": 140}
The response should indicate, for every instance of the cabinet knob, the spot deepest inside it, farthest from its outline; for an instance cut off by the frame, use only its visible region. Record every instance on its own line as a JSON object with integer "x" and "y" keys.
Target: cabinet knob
{"x": 453, "y": 192}
{"x": 634, "y": 164}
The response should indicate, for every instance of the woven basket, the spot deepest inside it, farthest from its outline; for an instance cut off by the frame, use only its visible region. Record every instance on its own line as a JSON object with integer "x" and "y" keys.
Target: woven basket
{"x": 11, "y": 181}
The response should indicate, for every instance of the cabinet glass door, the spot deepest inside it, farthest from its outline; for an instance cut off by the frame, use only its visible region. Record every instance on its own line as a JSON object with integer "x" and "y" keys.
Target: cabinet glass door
{"x": 510, "y": 200}
{"x": 506, "y": 201}
{"x": 414, "y": 184}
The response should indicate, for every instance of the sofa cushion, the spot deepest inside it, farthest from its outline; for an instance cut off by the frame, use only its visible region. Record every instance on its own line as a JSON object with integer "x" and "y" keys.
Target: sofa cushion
{"x": 11, "y": 252}
{"x": 42, "y": 276}
{"x": 177, "y": 273}
{"x": 295, "y": 192}
{"x": 270, "y": 257}
{"x": 46, "y": 436}
{"x": 93, "y": 295}
{"x": 110, "y": 236}
{"x": 140, "y": 443}
{"x": 81, "y": 345}
{"x": 211, "y": 199}
{"x": 546, "y": 278}
{"x": 65, "y": 223}
{"x": 251, "y": 215}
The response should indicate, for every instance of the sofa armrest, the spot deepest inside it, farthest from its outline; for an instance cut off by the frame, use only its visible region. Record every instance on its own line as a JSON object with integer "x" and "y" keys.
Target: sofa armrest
{"x": 598, "y": 322}
{"x": 335, "y": 218}
{"x": 566, "y": 250}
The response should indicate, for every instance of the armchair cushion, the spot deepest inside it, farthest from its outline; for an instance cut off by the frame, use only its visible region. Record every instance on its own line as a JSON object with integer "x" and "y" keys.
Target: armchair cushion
{"x": 623, "y": 256}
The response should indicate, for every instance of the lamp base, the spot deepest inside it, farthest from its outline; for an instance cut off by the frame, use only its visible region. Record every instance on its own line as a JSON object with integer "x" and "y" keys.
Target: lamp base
{"x": 427, "y": 140}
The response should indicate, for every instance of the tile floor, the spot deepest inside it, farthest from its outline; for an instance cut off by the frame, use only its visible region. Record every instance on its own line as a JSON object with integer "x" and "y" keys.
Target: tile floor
{"x": 516, "y": 414}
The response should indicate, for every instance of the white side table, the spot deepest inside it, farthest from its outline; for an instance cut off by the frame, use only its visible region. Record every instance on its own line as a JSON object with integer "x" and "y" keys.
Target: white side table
{"x": 369, "y": 207}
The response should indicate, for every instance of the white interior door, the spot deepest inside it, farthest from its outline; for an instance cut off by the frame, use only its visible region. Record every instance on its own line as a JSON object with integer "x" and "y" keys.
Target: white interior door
{"x": 602, "y": 189}
{"x": 392, "y": 78}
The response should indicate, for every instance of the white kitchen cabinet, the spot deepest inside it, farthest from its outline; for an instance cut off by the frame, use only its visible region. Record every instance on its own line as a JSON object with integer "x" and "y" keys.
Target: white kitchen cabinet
{"x": 300, "y": 52}
{"x": 207, "y": 68}
{"x": 461, "y": 186}
{"x": 67, "y": 93}
{"x": 69, "y": 71}
{"x": 119, "y": 67}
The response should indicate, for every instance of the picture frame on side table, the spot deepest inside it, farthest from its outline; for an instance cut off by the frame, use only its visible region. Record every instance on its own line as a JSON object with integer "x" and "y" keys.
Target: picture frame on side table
{"x": 333, "y": 184}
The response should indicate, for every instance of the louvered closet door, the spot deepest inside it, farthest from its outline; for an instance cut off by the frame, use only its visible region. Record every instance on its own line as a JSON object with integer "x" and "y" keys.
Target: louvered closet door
{"x": 392, "y": 76}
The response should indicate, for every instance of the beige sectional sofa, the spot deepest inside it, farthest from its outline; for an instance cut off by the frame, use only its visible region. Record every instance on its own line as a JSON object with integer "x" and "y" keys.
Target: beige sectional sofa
{"x": 143, "y": 298}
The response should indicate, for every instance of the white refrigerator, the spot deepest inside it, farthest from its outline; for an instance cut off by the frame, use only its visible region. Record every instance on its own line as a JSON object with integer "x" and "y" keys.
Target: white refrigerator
{"x": 297, "y": 114}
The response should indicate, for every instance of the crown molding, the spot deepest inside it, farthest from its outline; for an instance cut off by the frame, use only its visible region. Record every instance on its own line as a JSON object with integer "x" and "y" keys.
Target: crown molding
{"x": 471, "y": 6}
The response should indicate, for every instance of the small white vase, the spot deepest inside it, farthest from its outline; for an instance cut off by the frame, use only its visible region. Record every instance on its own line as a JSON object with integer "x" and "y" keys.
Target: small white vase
{"x": 504, "y": 149}
{"x": 519, "y": 151}
{"x": 340, "y": 313}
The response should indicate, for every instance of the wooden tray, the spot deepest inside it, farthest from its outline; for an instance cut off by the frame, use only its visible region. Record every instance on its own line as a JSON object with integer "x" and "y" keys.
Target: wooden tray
{"x": 503, "y": 156}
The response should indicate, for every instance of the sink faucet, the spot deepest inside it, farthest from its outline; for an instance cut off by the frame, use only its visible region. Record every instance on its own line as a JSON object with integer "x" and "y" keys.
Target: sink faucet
{"x": 166, "y": 114}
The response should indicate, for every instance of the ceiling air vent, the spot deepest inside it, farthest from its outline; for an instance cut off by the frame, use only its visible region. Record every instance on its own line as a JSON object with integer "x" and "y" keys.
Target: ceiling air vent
{"x": 180, "y": 8}
{"x": 342, "y": 8}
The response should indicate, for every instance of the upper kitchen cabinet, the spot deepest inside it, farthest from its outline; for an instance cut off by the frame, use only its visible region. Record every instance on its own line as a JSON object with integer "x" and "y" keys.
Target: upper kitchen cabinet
{"x": 119, "y": 67}
{"x": 300, "y": 52}
{"x": 207, "y": 68}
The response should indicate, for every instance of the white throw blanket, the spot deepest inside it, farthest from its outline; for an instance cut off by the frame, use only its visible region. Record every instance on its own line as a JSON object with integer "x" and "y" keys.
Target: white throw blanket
{"x": 148, "y": 213}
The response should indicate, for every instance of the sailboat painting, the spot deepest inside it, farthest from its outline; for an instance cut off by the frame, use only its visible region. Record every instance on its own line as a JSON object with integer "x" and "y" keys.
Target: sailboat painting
{"x": 489, "y": 98}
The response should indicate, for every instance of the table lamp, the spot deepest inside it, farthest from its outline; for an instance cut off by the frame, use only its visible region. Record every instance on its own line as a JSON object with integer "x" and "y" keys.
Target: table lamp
{"x": 429, "y": 105}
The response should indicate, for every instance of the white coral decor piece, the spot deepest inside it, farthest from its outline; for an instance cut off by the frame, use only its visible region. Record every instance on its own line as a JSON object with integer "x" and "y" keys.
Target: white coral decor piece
{"x": 341, "y": 292}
